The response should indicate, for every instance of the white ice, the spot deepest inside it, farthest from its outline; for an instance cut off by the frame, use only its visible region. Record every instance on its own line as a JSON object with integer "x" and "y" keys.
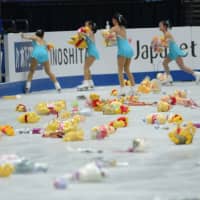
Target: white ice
{"x": 164, "y": 172}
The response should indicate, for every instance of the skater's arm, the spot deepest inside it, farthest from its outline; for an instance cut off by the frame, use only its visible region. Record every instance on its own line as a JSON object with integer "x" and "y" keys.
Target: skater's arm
{"x": 28, "y": 37}
{"x": 114, "y": 29}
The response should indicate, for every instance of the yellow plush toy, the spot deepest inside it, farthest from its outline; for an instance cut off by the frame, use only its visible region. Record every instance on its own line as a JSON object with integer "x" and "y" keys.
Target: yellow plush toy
{"x": 64, "y": 115}
{"x": 45, "y": 108}
{"x": 52, "y": 126}
{"x": 163, "y": 106}
{"x": 183, "y": 135}
{"x": 158, "y": 43}
{"x": 6, "y": 169}
{"x": 114, "y": 108}
{"x": 7, "y": 130}
{"x": 158, "y": 118}
{"x": 175, "y": 118}
{"x": 145, "y": 86}
{"x": 95, "y": 102}
{"x": 76, "y": 135}
{"x": 21, "y": 108}
{"x": 180, "y": 93}
{"x": 114, "y": 92}
{"x": 120, "y": 122}
{"x": 58, "y": 128}
{"x": 60, "y": 105}
{"x": 29, "y": 117}
{"x": 109, "y": 38}
{"x": 127, "y": 82}
{"x": 78, "y": 40}
{"x": 42, "y": 108}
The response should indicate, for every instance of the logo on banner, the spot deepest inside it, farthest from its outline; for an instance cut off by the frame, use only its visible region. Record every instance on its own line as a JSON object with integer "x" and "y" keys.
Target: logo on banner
{"x": 23, "y": 52}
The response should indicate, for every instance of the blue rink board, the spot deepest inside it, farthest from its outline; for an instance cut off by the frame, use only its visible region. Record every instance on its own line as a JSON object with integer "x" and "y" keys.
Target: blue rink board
{"x": 72, "y": 81}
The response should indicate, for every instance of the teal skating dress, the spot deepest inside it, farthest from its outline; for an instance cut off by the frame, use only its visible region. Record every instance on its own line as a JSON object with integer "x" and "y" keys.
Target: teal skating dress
{"x": 40, "y": 52}
{"x": 175, "y": 51}
{"x": 124, "y": 48}
{"x": 91, "y": 49}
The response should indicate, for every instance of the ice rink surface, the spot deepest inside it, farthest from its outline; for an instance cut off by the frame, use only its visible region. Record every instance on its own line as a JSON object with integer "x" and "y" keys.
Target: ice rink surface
{"x": 163, "y": 172}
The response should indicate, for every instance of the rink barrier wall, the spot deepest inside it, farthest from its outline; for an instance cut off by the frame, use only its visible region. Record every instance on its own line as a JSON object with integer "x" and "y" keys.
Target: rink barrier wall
{"x": 67, "y": 61}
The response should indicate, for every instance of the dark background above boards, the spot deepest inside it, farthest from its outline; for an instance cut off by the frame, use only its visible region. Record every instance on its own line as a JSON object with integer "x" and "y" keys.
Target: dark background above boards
{"x": 58, "y": 15}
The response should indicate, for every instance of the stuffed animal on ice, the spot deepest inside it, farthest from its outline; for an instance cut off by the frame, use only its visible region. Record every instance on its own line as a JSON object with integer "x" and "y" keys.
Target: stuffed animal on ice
{"x": 127, "y": 82}
{"x": 163, "y": 106}
{"x": 156, "y": 118}
{"x": 63, "y": 115}
{"x": 55, "y": 107}
{"x": 78, "y": 40}
{"x": 29, "y": 117}
{"x": 162, "y": 78}
{"x": 175, "y": 119}
{"x": 100, "y": 132}
{"x": 158, "y": 44}
{"x": 155, "y": 86}
{"x": 147, "y": 86}
{"x": 120, "y": 122}
{"x": 58, "y": 128}
{"x": 182, "y": 134}
{"x": 109, "y": 38}
{"x": 7, "y": 130}
{"x": 95, "y": 102}
{"x": 76, "y": 135}
{"x": 114, "y": 92}
{"x": 21, "y": 108}
{"x": 180, "y": 99}
{"x": 180, "y": 93}
{"x": 42, "y": 108}
{"x": 6, "y": 169}
{"x": 115, "y": 107}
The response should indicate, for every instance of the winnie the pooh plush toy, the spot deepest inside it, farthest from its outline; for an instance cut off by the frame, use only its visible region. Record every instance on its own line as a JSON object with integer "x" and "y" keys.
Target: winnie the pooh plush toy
{"x": 7, "y": 130}
{"x": 114, "y": 92}
{"x": 147, "y": 86}
{"x": 115, "y": 107}
{"x": 6, "y": 169}
{"x": 21, "y": 108}
{"x": 95, "y": 102}
{"x": 29, "y": 117}
{"x": 182, "y": 135}
{"x": 76, "y": 135}
{"x": 163, "y": 106}
{"x": 78, "y": 40}
{"x": 175, "y": 119}
{"x": 120, "y": 122}
{"x": 44, "y": 108}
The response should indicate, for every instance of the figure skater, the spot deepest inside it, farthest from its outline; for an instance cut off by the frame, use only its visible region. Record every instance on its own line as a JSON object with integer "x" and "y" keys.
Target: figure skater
{"x": 92, "y": 54}
{"x": 175, "y": 53}
{"x": 125, "y": 53}
{"x": 39, "y": 56}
